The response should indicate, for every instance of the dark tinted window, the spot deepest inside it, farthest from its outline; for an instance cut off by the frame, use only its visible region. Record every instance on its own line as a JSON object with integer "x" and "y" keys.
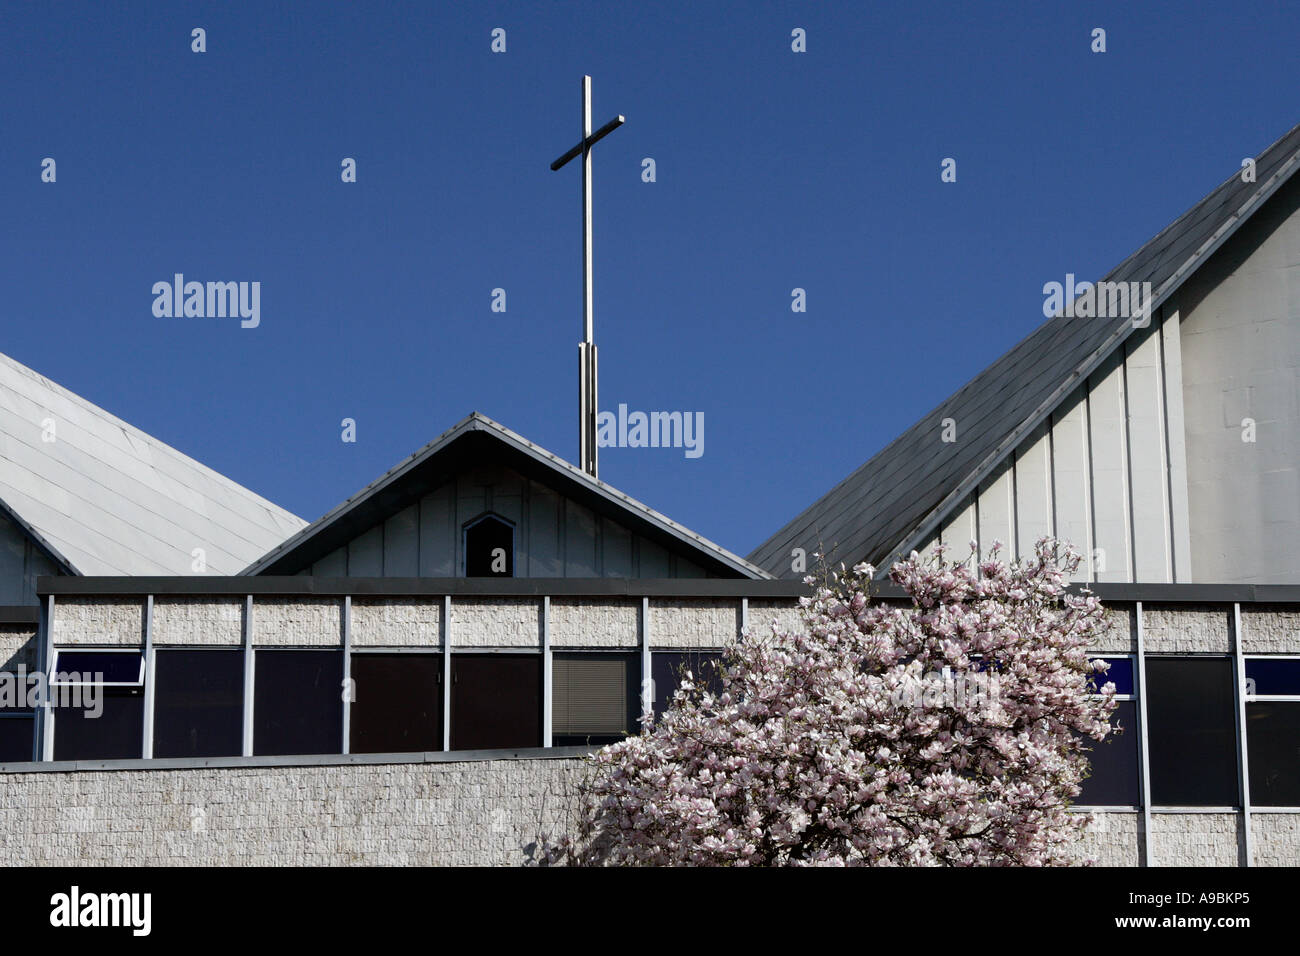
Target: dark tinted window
{"x": 1114, "y": 781}
{"x": 1120, "y": 674}
{"x": 99, "y": 666}
{"x": 1192, "y": 743}
{"x": 198, "y": 703}
{"x": 298, "y": 702}
{"x": 490, "y": 549}
{"x": 398, "y": 703}
{"x": 595, "y": 698}
{"x": 117, "y": 733}
{"x": 16, "y": 739}
{"x": 667, "y": 669}
{"x": 1273, "y": 676}
{"x": 1273, "y": 746}
{"x": 496, "y": 701}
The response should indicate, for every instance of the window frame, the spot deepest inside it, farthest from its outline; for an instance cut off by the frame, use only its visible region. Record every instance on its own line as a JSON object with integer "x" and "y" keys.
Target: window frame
{"x": 478, "y": 520}
{"x": 1246, "y": 700}
{"x": 60, "y": 651}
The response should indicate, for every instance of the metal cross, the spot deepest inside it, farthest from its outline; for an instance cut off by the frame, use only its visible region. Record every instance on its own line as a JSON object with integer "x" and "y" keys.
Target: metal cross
{"x": 587, "y": 348}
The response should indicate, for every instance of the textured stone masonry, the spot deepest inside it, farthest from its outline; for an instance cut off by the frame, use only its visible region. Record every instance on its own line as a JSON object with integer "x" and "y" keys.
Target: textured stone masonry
{"x": 191, "y": 619}
{"x": 396, "y": 622}
{"x": 1195, "y": 839}
{"x": 702, "y": 623}
{"x": 1270, "y": 630}
{"x": 595, "y": 622}
{"x": 94, "y": 621}
{"x": 473, "y": 813}
{"x": 1111, "y": 840}
{"x": 314, "y": 622}
{"x": 1120, "y": 634}
{"x": 496, "y": 622}
{"x": 763, "y": 612}
{"x": 1187, "y": 628}
{"x": 1276, "y": 837}
{"x": 17, "y": 647}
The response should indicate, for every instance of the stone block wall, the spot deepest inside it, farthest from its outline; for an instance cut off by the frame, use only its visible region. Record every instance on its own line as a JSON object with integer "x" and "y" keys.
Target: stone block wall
{"x": 468, "y": 813}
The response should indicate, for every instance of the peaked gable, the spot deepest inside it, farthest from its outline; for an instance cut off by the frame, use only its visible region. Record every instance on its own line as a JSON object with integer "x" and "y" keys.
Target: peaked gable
{"x": 410, "y": 521}
{"x": 898, "y": 499}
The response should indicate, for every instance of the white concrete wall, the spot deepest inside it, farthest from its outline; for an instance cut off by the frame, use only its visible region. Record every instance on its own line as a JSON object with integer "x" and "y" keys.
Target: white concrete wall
{"x": 1241, "y": 359}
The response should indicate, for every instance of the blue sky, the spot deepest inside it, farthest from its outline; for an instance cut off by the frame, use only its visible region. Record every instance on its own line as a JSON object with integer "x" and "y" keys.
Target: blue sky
{"x": 775, "y": 170}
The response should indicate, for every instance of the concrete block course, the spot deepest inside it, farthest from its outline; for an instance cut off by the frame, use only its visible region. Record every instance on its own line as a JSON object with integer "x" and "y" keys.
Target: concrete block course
{"x": 1187, "y": 628}
{"x": 700, "y": 623}
{"x": 196, "y": 620}
{"x": 496, "y": 622}
{"x": 396, "y": 622}
{"x": 94, "y": 621}
{"x": 473, "y": 813}
{"x": 595, "y": 622}
{"x": 316, "y": 622}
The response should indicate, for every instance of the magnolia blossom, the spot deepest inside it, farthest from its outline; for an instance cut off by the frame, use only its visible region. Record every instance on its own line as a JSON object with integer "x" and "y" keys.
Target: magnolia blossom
{"x": 854, "y": 741}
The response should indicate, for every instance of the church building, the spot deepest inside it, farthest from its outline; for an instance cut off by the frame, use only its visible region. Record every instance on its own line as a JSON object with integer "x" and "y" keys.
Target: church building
{"x": 415, "y": 676}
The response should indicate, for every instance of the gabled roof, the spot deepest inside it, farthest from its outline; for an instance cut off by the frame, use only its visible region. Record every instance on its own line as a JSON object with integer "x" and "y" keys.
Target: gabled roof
{"x": 102, "y": 497}
{"x": 472, "y": 441}
{"x": 894, "y": 501}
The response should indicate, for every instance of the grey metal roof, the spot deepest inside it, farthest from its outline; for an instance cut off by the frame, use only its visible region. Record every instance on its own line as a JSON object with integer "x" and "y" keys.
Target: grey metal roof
{"x": 894, "y": 501}
{"x": 474, "y": 439}
{"x": 105, "y": 498}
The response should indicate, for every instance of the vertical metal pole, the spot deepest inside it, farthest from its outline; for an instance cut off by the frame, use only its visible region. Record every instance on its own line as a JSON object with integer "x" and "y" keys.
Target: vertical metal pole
{"x": 587, "y": 351}
{"x": 546, "y": 672}
{"x": 347, "y": 672}
{"x": 1143, "y": 729}
{"x": 446, "y": 672}
{"x": 248, "y": 675}
{"x": 146, "y": 746}
{"x": 1243, "y": 755}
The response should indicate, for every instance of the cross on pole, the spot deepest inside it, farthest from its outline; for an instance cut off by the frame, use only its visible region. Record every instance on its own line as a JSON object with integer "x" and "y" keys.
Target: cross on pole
{"x": 587, "y": 348}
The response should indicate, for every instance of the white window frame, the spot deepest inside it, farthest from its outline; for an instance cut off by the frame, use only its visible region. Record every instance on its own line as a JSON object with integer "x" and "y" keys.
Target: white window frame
{"x": 59, "y": 651}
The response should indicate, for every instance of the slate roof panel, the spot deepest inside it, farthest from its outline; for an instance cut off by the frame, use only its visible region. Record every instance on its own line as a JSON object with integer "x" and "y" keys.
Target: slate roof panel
{"x": 892, "y": 498}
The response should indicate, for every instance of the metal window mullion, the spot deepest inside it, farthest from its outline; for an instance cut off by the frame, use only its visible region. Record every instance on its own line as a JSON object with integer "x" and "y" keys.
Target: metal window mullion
{"x": 146, "y": 744}
{"x": 1144, "y": 753}
{"x": 249, "y": 672}
{"x": 347, "y": 688}
{"x": 1243, "y": 756}
{"x": 43, "y": 745}
{"x": 446, "y": 672}
{"x": 647, "y": 683}
{"x": 547, "y": 689}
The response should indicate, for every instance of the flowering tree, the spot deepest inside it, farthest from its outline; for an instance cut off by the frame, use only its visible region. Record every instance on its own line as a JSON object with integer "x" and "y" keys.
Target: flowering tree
{"x": 948, "y": 732}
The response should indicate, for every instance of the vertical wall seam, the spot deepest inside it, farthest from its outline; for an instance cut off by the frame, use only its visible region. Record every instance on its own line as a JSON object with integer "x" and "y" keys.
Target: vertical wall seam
{"x": 349, "y": 692}
{"x": 446, "y": 672}
{"x": 547, "y": 676}
{"x": 146, "y": 742}
{"x": 249, "y": 674}
{"x": 1144, "y": 752}
{"x": 1246, "y": 848}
